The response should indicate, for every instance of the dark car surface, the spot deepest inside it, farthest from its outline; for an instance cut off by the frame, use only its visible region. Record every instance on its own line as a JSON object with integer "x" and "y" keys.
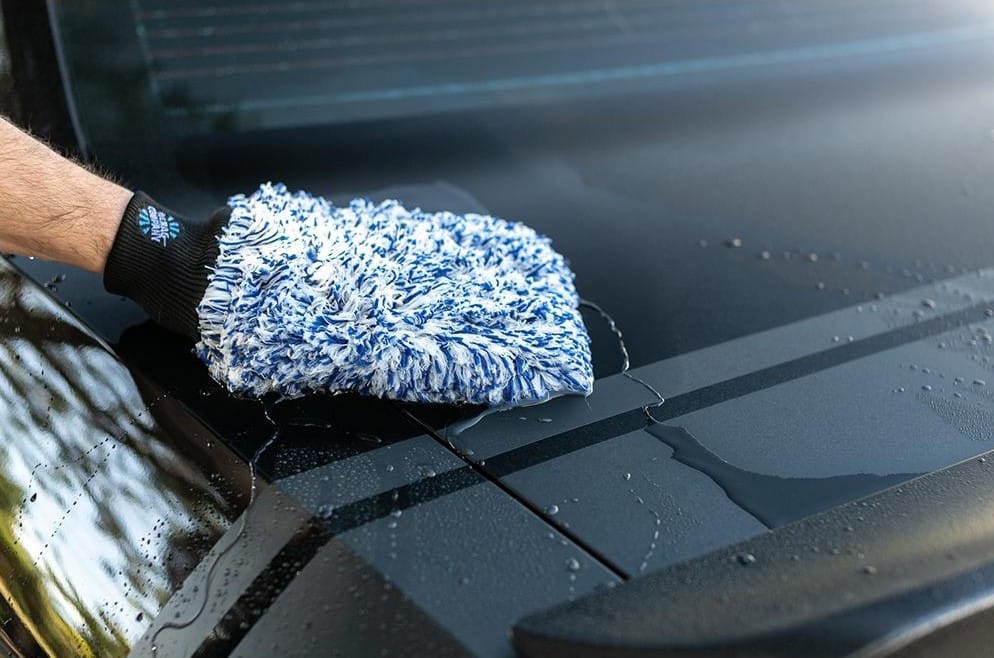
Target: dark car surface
{"x": 781, "y": 217}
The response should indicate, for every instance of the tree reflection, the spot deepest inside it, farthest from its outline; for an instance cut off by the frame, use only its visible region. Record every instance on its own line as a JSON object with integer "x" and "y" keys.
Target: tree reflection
{"x": 102, "y": 514}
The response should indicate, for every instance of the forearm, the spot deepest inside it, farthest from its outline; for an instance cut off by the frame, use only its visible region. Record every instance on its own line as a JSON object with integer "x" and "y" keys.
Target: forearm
{"x": 52, "y": 208}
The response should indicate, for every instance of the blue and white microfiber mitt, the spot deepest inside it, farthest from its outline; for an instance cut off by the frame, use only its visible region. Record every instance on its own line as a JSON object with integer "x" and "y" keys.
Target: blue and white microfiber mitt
{"x": 306, "y": 296}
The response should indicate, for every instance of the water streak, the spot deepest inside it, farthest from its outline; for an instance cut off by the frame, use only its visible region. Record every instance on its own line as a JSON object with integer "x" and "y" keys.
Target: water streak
{"x": 625, "y": 359}
{"x": 253, "y": 477}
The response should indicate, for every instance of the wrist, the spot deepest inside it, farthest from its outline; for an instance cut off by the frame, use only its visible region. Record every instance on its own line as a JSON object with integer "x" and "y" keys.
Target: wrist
{"x": 53, "y": 208}
{"x": 159, "y": 259}
{"x": 111, "y": 201}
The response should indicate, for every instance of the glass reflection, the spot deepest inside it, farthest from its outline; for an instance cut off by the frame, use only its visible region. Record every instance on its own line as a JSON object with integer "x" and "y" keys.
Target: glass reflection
{"x": 102, "y": 512}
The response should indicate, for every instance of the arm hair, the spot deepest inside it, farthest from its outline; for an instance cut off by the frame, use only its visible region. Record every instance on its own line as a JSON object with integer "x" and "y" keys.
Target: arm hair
{"x": 53, "y": 208}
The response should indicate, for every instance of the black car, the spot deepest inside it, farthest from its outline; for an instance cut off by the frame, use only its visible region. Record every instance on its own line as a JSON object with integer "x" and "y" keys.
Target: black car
{"x": 781, "y": 216}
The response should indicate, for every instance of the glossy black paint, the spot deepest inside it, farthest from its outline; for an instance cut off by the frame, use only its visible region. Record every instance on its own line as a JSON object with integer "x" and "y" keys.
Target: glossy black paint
{"x": 914, "y": 563}
{"x": 317, "y": 429}
{"x": 844, "y": 173}
{"x": 107, "y": 502}
{"x": 828, "y": 156}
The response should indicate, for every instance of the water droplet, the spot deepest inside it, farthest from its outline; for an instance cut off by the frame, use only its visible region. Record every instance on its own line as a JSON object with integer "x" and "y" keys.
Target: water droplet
{"x": 820, "y": 285}
{"x": 979, "y": 382}
{"x": 989, "y": 312}
{"x": 926, "y": 387}
{"x": 702, "y": 243}
{"x": 628, "y": 476}
{"x": 396, "y": 513}
{"x": 34, "y": 497}
{"x": 812, "y": 257}
{"x": 870, "y": 570}
{"x": 928, "y": 303}
{"x": 389, "y": 468}
{"x": 745, "y": 559}
{"x": 545, "y": 420}
{"x": 764, "y": 255}
{"x": 140, "y": 616}
{"x": 552, "y": 510}
{"x": 835, "y": 339}
{"x": 426, "y": 471}
{"x": 573, "y": 564}
{"x": 733, "y": 243}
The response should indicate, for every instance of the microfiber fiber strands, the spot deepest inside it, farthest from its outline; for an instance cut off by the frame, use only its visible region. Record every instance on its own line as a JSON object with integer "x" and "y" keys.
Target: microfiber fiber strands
{"x": 403, "y": 304}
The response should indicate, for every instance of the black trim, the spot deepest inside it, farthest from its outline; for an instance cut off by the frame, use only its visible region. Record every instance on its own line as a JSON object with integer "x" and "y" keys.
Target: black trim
{"x": 570, "y": 441}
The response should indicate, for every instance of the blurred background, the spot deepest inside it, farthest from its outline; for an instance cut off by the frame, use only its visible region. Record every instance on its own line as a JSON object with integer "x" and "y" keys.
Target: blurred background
{"x": 7, "y": 100}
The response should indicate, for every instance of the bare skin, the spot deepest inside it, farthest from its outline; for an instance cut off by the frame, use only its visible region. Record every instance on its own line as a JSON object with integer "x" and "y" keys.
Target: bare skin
{"x": 53, "y": 208}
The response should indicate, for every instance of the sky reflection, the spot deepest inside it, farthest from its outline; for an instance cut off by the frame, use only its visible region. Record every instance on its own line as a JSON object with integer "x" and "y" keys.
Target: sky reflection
{"x": 102, "y": 513}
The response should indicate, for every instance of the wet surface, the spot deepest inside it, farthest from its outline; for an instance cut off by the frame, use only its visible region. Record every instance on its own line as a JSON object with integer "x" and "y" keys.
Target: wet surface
{"x": 708, "y": 215}
{"x": 108, "y": 501}
{"x": 639, "y": 509}
{"x": 773, "y": 500}
{"x": 109, "y": 470}
{"x": 805, "y": 422}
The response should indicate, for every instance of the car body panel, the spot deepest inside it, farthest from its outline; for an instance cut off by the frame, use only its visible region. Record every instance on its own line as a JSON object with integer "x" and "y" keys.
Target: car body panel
{"x": 780, "y": 206}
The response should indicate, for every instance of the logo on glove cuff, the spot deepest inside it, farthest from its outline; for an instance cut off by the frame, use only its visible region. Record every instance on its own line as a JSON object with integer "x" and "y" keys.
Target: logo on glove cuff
{"x": 157, "y": 225}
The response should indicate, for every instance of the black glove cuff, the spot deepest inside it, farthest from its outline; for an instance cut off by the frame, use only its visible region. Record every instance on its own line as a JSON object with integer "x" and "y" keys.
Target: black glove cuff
{"x": 160, "y": 259}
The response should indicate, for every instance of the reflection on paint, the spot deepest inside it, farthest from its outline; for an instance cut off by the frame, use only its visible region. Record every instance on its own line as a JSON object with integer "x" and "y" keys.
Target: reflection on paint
{"x": 102, "y": 513}
{"x": 773, "y": 500}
